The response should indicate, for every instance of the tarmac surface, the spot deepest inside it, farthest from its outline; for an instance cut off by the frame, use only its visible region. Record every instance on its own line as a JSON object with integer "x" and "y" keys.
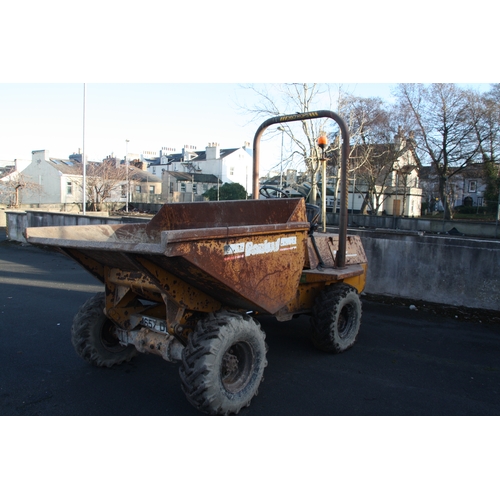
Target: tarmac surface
{"x": 405, "y": 362}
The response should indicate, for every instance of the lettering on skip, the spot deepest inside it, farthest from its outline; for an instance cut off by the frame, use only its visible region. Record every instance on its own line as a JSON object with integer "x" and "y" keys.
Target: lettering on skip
{"x": 249, "y": 248}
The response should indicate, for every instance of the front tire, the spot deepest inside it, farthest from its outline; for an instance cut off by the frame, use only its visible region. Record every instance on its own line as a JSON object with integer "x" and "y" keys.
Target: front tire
{"x": 223, "y": 363}
{"x": 93, "y": 335}
{"x": 336, "y": 318}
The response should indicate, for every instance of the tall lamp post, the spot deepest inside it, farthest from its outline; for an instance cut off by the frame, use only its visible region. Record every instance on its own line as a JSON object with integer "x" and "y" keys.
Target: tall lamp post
{"x": 281, "y": 162}
{"x": 126, "y": 169}
{"x": 83, "y": 154}
{"x": 322, "y": 143}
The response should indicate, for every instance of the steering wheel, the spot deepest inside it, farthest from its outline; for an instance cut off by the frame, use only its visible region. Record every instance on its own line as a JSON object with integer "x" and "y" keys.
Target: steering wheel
{"x": 266, "y": 191}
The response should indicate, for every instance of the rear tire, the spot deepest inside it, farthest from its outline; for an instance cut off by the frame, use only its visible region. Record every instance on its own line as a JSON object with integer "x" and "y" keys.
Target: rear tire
{"x": 336, "y": 318}
{"x": 223, "y": 363}
{"x": 94, "y": 338}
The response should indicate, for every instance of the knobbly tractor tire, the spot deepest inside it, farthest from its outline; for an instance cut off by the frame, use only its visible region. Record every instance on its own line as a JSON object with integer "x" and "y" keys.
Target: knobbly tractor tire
{"x": 336, "y": 318}
{"x": 93, "y": 337}
{"x": 223, "y": 363}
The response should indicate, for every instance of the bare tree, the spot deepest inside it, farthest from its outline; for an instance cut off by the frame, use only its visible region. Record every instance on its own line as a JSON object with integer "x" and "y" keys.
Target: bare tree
{"x": 13, "y": 186}
{"x": 378, "y": 150}
{"x": 290, "y": 98}
{"x": 444, "y": 129}
{"x": 102, "y": 179}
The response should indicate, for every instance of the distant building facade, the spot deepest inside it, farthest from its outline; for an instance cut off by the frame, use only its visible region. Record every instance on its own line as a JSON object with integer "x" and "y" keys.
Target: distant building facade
{"x": 60, "y": 181}
{"x": 465, "y": 187}
{"x": 203, "y": 169}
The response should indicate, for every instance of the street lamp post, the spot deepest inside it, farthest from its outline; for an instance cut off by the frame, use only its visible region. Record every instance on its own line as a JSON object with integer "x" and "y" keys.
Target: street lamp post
{"x": 126, "y": 169}
{"x": 322, "y": 143}
{"x": 281, "y": 161}
{"x": 84, "y": 194}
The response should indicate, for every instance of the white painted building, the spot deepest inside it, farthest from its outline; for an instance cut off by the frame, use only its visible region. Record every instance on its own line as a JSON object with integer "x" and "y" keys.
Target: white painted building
{"x": 228, "y": 165}
{"x": 59, "y": 180}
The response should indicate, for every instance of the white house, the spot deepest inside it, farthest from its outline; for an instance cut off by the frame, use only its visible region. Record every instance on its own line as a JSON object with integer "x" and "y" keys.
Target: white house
{"x": 59, "y": 181}
{"x": 389, "y": 181}
{"x": 228, "y": 165}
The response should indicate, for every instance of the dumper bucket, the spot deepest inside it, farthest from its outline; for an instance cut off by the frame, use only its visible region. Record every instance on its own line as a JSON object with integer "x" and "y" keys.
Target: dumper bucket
{"x": 244, "y": 254}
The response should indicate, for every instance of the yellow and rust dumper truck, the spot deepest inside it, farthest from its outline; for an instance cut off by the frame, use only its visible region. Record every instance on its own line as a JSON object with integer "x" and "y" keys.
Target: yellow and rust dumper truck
{"x": 191, "y": 284}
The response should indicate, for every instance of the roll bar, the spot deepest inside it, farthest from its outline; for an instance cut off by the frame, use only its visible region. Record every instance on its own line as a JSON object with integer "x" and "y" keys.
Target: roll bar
{"x": 340, "y": 260}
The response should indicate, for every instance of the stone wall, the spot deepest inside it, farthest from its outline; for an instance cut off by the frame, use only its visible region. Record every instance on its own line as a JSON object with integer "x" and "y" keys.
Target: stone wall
{"x": 446, "y": 270}
{"x": 449, "y": 270}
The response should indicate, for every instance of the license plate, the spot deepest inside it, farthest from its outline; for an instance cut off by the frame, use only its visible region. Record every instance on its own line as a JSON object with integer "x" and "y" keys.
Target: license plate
{"x": 158, "y": 325}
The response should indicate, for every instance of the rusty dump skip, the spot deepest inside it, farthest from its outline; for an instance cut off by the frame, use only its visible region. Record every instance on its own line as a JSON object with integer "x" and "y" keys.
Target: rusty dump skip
{"x": 246, "y": 254}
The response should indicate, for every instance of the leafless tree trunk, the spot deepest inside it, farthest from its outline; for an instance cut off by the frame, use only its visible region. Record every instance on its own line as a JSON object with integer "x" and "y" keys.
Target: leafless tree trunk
{"x": 373, "y": 152}
{"x": 445, "y": 129}
{"x": 101, "y": 180}
{"x": 11, "y": 190}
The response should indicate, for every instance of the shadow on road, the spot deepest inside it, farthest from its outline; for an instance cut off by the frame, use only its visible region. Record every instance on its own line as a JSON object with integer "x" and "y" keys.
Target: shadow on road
{"x": 405, "y": 362}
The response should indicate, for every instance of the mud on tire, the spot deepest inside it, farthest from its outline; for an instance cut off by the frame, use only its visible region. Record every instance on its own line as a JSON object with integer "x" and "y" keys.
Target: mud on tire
{"x": 336, "y": 318}
{"x": 93, "y": 337}
{"x": 223, "y": 363}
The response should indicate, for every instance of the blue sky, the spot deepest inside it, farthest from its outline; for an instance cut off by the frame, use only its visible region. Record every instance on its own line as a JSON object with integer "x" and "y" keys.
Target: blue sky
{"x": 151, "y": 116}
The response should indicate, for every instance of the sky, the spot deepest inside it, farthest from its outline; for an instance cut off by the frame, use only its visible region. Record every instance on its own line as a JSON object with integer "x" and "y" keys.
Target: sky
{"x": 150, "y": 116}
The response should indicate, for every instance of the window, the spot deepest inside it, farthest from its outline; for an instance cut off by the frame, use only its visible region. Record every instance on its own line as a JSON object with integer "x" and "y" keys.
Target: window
{"x": 472, "y": 186}
{"x": 183, "y": 187}
{"x": 231, "y": 170}
{"x": 195, "y": 188}
{"x": 124, "y": 190}
{"x": 69, "y": 187}
{"x": 137, "y": 189}
{"x": 151, "y": 190}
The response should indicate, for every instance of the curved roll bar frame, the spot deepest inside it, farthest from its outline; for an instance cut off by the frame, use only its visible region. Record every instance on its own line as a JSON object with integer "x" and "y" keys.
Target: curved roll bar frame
{"x": 340, "y": 259}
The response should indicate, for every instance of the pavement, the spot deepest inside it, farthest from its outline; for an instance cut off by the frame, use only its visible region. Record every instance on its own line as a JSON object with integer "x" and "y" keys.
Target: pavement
{"x": 407, "y": 361}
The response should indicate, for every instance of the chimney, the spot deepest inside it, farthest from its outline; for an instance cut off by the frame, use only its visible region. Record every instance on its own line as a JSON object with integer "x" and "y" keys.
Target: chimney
{"x": 39, "y": 154}
{"x": 213, "y": 151}
{"x": 187, "y": 151}
{"x": 399, "y": 141}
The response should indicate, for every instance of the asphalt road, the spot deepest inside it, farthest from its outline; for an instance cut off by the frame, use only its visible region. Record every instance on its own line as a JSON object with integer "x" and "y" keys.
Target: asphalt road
{"x": 404, "y": 363}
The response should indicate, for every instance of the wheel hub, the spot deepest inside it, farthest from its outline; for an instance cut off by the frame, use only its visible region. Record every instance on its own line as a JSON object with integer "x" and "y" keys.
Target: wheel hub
{"x": 109, "y": 339}
{"x": 236, "y": 367}
{"x": 229, "y": 364}
{"x": 344, "y": 321}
